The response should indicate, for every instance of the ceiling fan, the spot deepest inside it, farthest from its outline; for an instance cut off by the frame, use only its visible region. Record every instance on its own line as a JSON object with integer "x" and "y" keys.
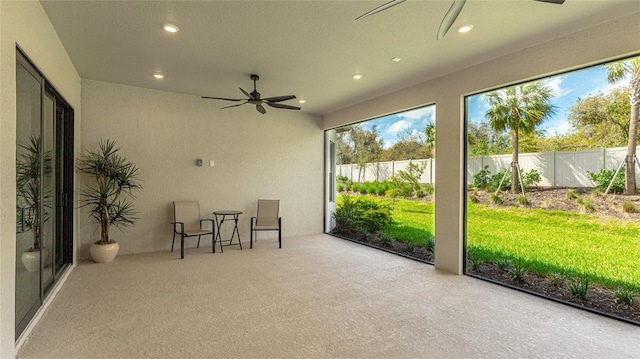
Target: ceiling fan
{"x": 255, "y": 99}
{"x": 449, "y": 17}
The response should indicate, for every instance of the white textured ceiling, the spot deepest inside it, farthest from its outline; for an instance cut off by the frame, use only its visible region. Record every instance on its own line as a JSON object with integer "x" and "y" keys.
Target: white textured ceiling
{"x": 306, "y": 48}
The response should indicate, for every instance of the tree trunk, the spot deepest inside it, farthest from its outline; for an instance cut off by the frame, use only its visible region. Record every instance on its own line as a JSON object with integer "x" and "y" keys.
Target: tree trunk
{"x": 514, "y": 163}
{"x": 630, "y": 174}
{"x": 104, "y": 225}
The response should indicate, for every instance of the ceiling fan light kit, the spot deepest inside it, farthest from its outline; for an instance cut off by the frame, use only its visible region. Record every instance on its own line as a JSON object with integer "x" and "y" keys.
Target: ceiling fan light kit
{"x": 254, "y": 98}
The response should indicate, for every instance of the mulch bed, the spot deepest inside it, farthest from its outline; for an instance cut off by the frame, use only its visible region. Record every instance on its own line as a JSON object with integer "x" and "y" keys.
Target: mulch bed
{"x": 599, "y": 299}
{"x": 606, "y": 208}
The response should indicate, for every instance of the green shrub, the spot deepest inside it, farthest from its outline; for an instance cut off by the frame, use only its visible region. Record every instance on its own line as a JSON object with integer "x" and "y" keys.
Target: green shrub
{"x": 348, "y": 185}
{"x": 355, "y": 187}
{"x": 624, "y": 296}
{"x": 420, "y": 193}
{"x": 579, "y": 287}
{"x": 340, "y": 187}
{"x": 364, "y": 189}
{"x": 353, "y": 213}
{"x": 341, "y": 178}
{"x": 531, "y": 178}
{"x": 381, "y": 188}
{"x": 597, "y": 192}
{"x": 481, "y": 180}
{"x": 399, "y": 190}
{"x": 603, "y": 178}
{"x": 495, "y": 198}
{"x": 629, "y": 207}
{"x": 495, "y": 181}
{"x": 429, "y": 189}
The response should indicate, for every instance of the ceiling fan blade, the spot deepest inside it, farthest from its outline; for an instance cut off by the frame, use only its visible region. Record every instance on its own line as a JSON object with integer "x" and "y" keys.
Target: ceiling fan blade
{"x": 383, "y": 7}
{"x": 261, "y": 109}
{"x": 240, "y": 104}
{"x": 559, "y": 2}
{"x": 280, "y": 98}
{"x": 281, "y": 105}
{"x": 246, "y": 93}
{"x": 450, "y": 17}
{"x": 222, "y": 98}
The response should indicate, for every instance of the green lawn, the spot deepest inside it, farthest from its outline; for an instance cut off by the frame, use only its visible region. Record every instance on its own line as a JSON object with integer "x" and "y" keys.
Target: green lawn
{"x": 543, "y": 241}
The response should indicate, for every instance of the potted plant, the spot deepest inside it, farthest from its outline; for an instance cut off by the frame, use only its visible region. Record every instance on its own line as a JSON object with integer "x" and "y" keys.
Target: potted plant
{"x": 30, "y": 197}
{"x": 110, "y": 198}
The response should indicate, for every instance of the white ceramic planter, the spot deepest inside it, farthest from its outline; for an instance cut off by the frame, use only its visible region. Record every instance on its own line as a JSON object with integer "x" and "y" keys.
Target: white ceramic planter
{"x": 31, "y": 260}
{"x": 104, "y": 253}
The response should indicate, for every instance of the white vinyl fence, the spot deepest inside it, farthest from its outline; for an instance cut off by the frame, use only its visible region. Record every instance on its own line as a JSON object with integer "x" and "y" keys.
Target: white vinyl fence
{"x": 556, "y": 169}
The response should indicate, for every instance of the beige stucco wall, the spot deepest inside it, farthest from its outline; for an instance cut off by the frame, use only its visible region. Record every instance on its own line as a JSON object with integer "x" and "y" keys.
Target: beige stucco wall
{"x": 599, "y": 43}
{"x": 24, "y": 24}
{"x": 278, "y": 155}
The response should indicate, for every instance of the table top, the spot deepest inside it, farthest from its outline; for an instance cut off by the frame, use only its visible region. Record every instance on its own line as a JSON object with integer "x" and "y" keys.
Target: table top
{"x": 227, "y": 213}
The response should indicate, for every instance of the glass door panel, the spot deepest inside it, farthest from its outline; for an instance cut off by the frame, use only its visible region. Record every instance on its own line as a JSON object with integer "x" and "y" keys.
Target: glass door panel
{"x": 49, "y": 186}
{"x": 29, "y": 113}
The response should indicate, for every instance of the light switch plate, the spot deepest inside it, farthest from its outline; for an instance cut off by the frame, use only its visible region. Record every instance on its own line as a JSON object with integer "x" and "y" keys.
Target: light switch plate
{"x": 211, "y": 163}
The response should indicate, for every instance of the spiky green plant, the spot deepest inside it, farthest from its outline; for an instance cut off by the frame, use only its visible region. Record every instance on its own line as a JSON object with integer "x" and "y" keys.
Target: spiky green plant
{"x": 624, "y": 296}
{"x": 116, "y": 179}
{"x": 585, "y": 204}
{"x": 571, "y": 193}
{"x": 29, "y": 173}
{"x": 430, "y": 246}
{"x": 495, "y": 198}
{"x": 556, "y": 279}
{"x": 523, "y": 200}
{"x": 517, "y": 272}
{"x": 476, "y": 262}
{"x": 503, "y": 264}
{"x": 579, "y": 287}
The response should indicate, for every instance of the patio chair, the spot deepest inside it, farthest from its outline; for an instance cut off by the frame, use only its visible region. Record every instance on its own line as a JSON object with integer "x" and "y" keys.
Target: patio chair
{"x": 267, "y": 219}
{"x": 187, "y": 223}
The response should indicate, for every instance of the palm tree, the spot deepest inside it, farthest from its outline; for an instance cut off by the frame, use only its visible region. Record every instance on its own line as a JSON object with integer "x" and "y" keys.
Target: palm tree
{"x": 519, "y": 109}
{"x": 430, "y": 137}
{"x": 619, "y": 71}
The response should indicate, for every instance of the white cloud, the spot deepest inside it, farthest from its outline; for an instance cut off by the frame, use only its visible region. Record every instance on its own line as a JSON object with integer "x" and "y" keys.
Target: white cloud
{"x": 387, "y": 144}
{"x": 422, "y": 113}
{"x": 555, "y": 83}
{"x": 398, "y": 127}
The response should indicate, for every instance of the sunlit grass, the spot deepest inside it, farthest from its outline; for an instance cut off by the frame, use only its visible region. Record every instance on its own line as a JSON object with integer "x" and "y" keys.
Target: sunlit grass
{"x": 544, "y": 241}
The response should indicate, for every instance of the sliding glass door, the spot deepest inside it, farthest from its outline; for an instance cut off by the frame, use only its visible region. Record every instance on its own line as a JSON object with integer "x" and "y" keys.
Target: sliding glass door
{"x": 44, "y": 182}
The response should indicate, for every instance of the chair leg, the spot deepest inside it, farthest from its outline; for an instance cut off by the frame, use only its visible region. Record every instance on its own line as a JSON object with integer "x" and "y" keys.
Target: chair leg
{"x": 251, "y": 235}
{"x": 182, "y": 245}
{"x": 279, "y": 233}
{"x": 198, "y": 246}
{"x": 173, "y": 241}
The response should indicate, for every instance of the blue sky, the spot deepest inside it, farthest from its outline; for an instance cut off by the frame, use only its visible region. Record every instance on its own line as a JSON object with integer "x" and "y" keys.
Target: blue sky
{"x": 567, "y": 87}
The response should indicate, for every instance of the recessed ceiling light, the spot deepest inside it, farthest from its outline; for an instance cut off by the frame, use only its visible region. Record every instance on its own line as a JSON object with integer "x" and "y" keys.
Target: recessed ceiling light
{"x": 170, "y": 28}
{"x": 396, "y": 59}
{"x": 465, "y": 28}
{"x": 158, "y": 76}
{"x": 357, "y": 76}
{"x": 302, "y": 101}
